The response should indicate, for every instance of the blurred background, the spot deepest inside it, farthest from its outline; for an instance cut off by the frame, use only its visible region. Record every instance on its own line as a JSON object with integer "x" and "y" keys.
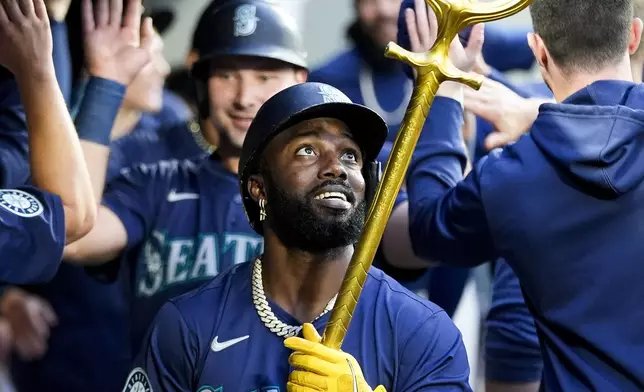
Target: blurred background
{"x": 323, "y": 23}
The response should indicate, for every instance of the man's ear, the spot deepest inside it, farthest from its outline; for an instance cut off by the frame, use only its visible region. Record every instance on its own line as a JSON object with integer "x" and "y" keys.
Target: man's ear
{"x": 256, "y": 187}
{"x": 538, "y": 49}
{"x": 635, "y": 37}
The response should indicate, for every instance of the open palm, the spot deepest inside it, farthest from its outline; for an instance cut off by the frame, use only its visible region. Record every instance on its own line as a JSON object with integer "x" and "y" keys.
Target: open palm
{"x": 422, "y": 26}
{"x": 25, "y": 36}
{"x": 115, "y": 44}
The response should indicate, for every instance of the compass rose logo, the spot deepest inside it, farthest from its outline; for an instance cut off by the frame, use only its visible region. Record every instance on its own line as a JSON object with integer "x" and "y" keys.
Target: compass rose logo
{"x": 20, "y": 203}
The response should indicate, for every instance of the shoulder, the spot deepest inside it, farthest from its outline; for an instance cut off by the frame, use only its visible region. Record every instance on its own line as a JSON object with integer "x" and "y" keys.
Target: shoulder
{"x": 415, "y": 324}
{"x": 343, "y": 65}
{"x": 175, "y": 109}
{"x": 501, "y": 165}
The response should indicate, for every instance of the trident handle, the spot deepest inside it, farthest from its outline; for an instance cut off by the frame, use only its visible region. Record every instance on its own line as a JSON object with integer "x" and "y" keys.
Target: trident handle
{"x": 433, "y": 68}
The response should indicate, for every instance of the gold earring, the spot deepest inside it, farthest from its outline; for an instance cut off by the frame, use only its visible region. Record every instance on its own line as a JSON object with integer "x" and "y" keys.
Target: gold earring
{"x": 262, "y": 209}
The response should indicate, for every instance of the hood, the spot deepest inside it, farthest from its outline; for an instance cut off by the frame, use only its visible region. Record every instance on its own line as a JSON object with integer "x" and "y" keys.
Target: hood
{"x": 596, "y": 137}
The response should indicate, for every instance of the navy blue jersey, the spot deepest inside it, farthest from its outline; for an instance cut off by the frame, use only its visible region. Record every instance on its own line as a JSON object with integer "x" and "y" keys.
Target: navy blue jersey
{"x": 212, "y": 339}
{"x": 563, "y": 206}
{"x": 32, "y": 235}
{"x": 151, "y": 142}
{"x": 512, "y": 351}
{"x": 14, "y": 143}
{"x": 185, "y": 224}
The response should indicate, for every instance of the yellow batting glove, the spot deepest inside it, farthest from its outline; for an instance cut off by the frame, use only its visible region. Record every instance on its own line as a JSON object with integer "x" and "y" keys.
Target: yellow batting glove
{"x": 319, "y": 368}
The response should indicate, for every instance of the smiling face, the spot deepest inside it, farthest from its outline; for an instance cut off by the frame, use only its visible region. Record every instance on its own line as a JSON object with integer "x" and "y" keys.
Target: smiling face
{"x": 313, "y": 185}
{"x": 238, "y": 86}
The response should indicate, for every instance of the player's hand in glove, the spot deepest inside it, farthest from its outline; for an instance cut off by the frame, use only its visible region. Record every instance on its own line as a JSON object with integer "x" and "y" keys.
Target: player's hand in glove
{"x": 319, "y": 368}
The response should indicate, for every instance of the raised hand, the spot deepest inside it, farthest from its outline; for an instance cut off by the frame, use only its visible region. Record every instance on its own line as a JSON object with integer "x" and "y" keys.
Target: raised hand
{"x": 509, "y": 113}
{"x": 25, "y": 38}
{"x": 422, "y": 26}
{"x": 116, "y": 45}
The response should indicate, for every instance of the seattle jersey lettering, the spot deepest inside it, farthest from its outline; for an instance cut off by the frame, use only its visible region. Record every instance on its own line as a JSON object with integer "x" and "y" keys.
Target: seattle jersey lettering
{"x": 172, "y": 261}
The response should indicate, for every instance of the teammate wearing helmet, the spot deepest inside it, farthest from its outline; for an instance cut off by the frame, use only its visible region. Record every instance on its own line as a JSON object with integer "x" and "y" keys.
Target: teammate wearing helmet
{"x": 177, "y": 223}
{"x": 302, "y": 174}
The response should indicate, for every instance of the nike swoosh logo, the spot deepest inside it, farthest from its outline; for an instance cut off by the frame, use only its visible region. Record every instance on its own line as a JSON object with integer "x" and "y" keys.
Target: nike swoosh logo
{"x": 218, "y": 346}
{"x": 174, "y": 196}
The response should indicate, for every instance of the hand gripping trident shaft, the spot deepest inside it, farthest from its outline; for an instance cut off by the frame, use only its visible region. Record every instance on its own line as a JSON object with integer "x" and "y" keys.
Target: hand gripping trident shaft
{"x": 432, "y": 68}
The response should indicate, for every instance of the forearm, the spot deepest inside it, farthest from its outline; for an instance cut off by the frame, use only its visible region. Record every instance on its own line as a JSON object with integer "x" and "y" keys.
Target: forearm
{"x": 439, "y": 161}
{"x": 396, "y": 242}
{"x": 99, "y": 108}
{"x": 446, "y": 218}
{"x": 56, "y": 159}
{"x": 89, "y": 251}
{"x": 106, "y": 241}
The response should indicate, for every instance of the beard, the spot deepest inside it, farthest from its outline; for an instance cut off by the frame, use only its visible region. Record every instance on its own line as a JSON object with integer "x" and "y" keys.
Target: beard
{"x": 299, "y": 225}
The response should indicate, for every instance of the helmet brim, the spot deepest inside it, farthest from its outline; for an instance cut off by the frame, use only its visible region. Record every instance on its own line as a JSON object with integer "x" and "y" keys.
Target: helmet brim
{"x": 367, "y": 128}
{"x": 201, "y": 68}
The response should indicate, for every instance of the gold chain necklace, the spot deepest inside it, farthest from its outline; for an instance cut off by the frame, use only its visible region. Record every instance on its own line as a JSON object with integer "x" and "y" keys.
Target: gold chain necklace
{"x": 264, "y": 311}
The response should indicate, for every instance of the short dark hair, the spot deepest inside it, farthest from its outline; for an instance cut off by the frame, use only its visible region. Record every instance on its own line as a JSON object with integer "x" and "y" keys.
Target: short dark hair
{"x": 583, "y": 35}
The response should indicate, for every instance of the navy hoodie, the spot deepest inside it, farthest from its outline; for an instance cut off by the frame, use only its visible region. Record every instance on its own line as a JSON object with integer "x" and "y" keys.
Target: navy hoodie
{"x": 564, "y": 206}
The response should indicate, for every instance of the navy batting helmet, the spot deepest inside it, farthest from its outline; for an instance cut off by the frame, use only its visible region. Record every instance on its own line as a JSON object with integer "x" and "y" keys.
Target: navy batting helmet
{"x": 247, "y": 28}
{"x": 303, "y": 102}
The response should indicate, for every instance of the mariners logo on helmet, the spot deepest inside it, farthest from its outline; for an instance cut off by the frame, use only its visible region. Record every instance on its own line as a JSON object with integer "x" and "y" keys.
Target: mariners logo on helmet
{"x": 330, "y": 94}
{"x": 245, "y": 20}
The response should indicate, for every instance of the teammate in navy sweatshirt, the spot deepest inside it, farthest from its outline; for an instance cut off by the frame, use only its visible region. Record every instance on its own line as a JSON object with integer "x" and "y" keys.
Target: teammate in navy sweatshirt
{"x": 563, "y": 204}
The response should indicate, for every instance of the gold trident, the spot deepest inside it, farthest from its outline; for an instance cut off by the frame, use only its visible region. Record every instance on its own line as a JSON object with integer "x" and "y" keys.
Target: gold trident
{"x": 432, "y": 69}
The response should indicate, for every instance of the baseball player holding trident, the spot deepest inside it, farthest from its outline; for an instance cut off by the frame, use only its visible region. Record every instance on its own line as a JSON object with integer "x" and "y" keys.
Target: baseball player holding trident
{"x": 304, "y": 171}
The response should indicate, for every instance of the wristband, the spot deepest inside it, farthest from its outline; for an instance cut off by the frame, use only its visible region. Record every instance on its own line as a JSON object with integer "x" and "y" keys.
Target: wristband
{"x": 98, "y": 110}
